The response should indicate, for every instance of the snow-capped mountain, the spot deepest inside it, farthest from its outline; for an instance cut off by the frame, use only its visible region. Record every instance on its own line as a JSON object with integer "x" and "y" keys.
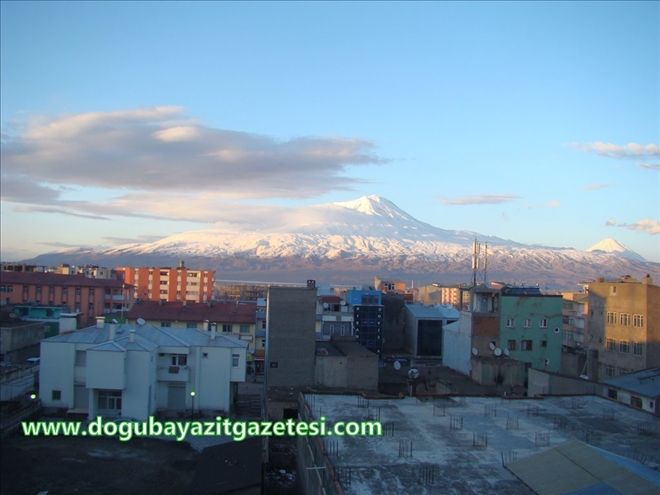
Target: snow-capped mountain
{"x": 615, "y": 247}
{"x": 352, "y": 241}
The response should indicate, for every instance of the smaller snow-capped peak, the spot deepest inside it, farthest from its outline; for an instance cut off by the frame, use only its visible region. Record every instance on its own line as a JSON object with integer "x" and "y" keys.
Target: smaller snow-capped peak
{"x": 613, "y": 246}
{"x": 374, "y": 205}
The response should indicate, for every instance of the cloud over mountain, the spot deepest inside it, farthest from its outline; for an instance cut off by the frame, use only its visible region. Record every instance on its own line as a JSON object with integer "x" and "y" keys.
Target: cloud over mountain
{"x": 161, "y": 149}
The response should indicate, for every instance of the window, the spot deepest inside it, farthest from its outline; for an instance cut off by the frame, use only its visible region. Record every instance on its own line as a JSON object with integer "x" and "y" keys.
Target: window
{"x": 191, "y": 324}
{"x": 510, "y": 322}
{"x": 511, "y": 345}
{"x": 205, "y": 355}
{"x": 245, "y": 328}
{"x": 624, "y": 346}
{"x": 612, "y": 393}
{"x": 611, "y": 345}
{"x": 81, "y": 358}
{"x": 165, "y": 323}
{"x": 163, "y": 292}
{"x": 78, "y": 289}
{"x": 528, "y": 322}
{"x": 610, "y": 370}
{"x": 613, "y": 289}
{"x": 179, "y": 359}
{"x": 164, "y": 273}
{"x": 543, "y": 323}
{"x": 637, "y": 348}
{"x": 235, "y": 359}
{"x": 526, "y": 345}
{"x": 6, "y": 288}
{"x": 226, "y": 328}
{"x": 56, "y": 395}
{"x": 636, "y": 402}
{"x": 611, "y": 318}
{"x": 624, "y": 319}
{"x": 110, "y": 399}
{"x": 638, "y": 321}
{"x": 164, "y": 282}
{"x": 544, "y": 343}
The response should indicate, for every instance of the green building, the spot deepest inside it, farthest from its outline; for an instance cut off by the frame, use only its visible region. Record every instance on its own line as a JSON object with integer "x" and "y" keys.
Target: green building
{"x": 530, "y": 327}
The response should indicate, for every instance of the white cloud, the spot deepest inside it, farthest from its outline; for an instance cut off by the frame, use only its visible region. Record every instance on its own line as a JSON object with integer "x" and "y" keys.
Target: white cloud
{"x": 480, "y": 199}
{"x": 554, "y": 203}
{"x": 595, "y": 186}
{"x": 646, "y": 225}
{"x": 160, "y": 149}
{"x": 630, "y": 150}
{"x": 650, "y": 166}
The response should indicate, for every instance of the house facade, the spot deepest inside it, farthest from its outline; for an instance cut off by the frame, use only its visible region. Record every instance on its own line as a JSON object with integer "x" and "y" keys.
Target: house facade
{"x": 133, "y": 371}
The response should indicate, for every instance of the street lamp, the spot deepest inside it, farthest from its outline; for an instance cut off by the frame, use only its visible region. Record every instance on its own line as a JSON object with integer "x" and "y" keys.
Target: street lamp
{"x": 192, "y": 409}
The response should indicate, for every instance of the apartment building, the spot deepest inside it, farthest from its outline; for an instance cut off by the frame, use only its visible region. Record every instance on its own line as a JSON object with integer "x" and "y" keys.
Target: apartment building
{"x": 229, "y": 318}
{"x": 530, "y": 327}
{"x": 88, "y": 297}
{"x": 624, "y": 327}
{"x": 169, "y": 284}
{"x": 133, "y": 371}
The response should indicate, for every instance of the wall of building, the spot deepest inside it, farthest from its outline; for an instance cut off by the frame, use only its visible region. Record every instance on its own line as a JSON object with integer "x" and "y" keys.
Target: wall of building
{"x": 631, "y": 298}
{"x": 498, "y": 371}
{"x": 56, "y": 373}
{"x": 456, "y": 345}
{"x": 546, "y": 340}
{"x": 547, "y": 383}
{"x": 290, "y": 345}
{"x": 139, "y": 395}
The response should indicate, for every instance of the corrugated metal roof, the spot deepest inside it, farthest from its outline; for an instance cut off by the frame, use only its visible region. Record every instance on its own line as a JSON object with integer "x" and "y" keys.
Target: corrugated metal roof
{"x": 147, "y": 336}
{"x": 645, "y": 382}
{"x": 575, "y": 468}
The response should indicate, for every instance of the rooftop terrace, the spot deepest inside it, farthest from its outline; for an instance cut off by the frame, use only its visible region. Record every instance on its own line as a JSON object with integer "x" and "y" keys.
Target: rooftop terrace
{"x": 460, "y": 445}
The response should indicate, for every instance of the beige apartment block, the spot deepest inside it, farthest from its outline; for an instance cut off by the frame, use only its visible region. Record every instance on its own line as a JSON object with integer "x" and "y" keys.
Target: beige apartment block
{"x": 624, "y": 326}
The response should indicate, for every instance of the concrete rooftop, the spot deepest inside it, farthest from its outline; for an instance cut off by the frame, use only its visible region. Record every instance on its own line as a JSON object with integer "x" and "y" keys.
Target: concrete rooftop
{"x": 459, "y": 445}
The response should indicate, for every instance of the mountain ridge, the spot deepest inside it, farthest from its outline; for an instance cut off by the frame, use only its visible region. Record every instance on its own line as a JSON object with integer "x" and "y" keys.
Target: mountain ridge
{"x": 365, "y": 237}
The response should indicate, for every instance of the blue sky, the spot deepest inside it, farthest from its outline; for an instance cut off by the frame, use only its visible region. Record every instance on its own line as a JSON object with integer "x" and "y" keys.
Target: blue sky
{"x": 537, "y": 122}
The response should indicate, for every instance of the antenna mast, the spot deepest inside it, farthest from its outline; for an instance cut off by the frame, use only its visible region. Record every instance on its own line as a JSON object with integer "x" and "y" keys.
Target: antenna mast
{"x": 486, "y": 263}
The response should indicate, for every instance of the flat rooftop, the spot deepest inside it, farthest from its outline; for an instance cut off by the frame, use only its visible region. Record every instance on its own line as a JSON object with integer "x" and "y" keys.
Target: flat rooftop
{"x": 460, "y": 445}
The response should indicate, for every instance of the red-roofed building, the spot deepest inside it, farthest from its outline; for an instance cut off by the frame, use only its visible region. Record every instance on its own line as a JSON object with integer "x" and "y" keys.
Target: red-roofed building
{"x": 88, "y": 296}
{"x": 230, "y": 318}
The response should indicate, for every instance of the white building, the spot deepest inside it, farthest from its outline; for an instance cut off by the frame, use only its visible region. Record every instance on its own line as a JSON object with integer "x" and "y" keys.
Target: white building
{"x": 134, "y": 370}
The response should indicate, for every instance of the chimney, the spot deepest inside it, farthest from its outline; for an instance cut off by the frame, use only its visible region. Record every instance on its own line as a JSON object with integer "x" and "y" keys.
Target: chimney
{"x": 112, "y": 329}
{"x": 100, "y": 321}
{"x": 647, "y": 280}
{"x": 214, "y": 327}
{"x": 207, "y": 325}
{"x": 131, "y": 335}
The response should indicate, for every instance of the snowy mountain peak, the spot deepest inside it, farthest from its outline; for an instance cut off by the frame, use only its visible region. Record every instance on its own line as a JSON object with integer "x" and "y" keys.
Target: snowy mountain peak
{"x": 375, "y": 205}
{"x": 613, "y": 246}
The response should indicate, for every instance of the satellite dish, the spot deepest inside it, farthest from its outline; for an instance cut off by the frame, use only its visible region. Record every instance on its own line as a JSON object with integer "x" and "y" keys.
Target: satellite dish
{"x": 13, "y": 315}
{"x": 475, "y": 351}
{"x": 507, "y": 352}
{"x": 413, "y": 373}
{"x": 491, "y": 346}
{"x": 140, "y": 321}
{"x": 397, "y": 365}
{"x": 556, "y": 329}
{"x": 497, "y": 352}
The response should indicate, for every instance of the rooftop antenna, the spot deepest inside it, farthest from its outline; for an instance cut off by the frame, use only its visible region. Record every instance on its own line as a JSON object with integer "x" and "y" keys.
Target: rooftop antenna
{"x": 486, "y": 263}
{"x": 475, "y": 261}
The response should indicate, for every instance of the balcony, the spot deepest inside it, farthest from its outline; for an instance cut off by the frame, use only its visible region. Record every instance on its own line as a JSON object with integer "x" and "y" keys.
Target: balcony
{"x": 173, "y": 373}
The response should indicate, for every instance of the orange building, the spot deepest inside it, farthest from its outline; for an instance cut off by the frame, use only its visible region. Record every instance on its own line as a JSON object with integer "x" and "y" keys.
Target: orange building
{"x": 169, "y": 284}
{"x": 88, "y": 296}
